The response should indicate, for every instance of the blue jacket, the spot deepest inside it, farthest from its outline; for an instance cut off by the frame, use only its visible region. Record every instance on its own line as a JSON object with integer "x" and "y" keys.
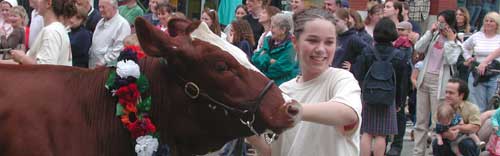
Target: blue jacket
{"x": 80, "y": 39}
{"x": 349, "y": 46}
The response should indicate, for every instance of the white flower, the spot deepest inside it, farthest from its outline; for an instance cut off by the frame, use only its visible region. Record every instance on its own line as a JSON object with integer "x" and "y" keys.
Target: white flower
{"x": 127, "y": 68}
{"x": 146, "y": 145}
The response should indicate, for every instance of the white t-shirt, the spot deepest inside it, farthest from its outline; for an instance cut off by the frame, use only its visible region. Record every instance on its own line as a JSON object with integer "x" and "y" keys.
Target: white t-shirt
{"x": 481, "y": 46}
{"x": 314, "y": 139}
{"x": 52, "y": 46}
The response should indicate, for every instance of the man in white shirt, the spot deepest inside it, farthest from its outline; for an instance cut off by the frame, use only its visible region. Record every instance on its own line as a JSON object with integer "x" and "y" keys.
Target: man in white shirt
{"x": 107, "y": 41}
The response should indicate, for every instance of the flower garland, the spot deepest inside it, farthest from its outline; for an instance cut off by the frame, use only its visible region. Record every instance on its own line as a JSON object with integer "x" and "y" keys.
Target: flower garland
{"x": 128, "y": 84}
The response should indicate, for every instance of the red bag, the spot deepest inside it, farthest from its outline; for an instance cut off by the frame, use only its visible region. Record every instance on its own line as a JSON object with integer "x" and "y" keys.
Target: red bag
{"x": 494, "y": 145}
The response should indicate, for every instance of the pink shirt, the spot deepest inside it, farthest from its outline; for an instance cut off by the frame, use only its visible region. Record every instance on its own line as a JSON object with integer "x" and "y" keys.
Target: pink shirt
{"x": 436, "y": 56}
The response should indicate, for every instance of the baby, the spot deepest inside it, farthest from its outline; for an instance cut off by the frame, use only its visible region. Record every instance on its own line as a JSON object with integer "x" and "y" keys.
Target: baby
{"x": 404, "y": 30}
{"x": 446, "y": 119}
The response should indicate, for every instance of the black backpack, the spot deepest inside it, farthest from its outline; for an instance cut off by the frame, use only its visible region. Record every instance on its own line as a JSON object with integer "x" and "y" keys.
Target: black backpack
{"x": 379, "y": 84}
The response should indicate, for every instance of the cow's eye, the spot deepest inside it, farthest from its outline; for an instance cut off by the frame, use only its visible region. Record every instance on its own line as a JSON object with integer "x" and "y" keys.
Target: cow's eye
{"x": 221, "y": 66}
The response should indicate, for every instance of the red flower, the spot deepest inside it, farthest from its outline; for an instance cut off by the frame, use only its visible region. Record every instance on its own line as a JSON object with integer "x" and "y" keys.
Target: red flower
{"x": 141, "y": 127}
{"x": 128, "y": 96}
{"x": 140, "y": 54}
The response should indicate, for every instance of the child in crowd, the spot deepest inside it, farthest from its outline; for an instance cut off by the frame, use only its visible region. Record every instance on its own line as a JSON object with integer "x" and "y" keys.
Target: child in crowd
{"x": 164, "y": 11}
{"x": 494, "y": 143}
{"x": 447, "y": 118}
{"x": 14, "y": 38}
{"x": 241, "y": 35}
{"x": 403, "y": 41}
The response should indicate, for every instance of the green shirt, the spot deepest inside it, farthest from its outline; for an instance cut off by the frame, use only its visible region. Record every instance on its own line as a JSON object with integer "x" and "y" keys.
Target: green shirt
{"x": 130, "y": 13}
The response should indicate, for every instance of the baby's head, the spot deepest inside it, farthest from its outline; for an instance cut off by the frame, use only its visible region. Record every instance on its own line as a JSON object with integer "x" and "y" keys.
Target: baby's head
{"x": 131, "y": 40}
{"x": 404, "y": 28}
{"x": 445, "y": 114}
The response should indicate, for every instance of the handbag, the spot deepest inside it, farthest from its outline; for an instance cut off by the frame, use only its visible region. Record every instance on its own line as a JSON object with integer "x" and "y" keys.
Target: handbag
{"x": 488, "y": 73}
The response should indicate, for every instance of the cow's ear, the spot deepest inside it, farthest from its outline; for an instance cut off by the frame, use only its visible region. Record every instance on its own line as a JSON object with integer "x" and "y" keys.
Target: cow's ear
{"x": 156, "y": 43}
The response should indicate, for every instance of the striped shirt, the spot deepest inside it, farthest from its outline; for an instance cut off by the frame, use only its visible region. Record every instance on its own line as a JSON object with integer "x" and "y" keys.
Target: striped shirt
{"x": 480, "y": 46}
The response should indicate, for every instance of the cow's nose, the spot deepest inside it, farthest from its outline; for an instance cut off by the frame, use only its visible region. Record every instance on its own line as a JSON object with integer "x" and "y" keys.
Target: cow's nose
{"x": 293, "y": 109}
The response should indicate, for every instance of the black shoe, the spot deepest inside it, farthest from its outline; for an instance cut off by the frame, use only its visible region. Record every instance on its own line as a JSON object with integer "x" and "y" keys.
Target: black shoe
{"x": 393, "y": 152}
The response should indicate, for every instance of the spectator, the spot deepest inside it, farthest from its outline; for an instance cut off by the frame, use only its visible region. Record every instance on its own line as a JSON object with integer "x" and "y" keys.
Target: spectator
{"x": 493, "y": 148}
{"x": 406, "y": 17}
{"x": 441, "y": 49}
{"x": 255, "y": 7}
{"x": 379, "y": 122}
{"x": 330, "y": 97}
{"x": 374, "y": 14}
{"x": 163, "y": 11}
{"x": 211, "y": 17}
{"x": 299, "y": 5}
{"x": 80, "y": 39}
{"x": 348, "y": 42}
{"x": 36, "y": 23}
{"x": 456, "y": 94}
{"x": 130, "y": 11}
{"x": 14, "y": 39}
{"x": 107, "y": 40}
{"x": 418, "y": 61}
{"x": 265, "y": 20}
{"x": 464, "y": 31}
{"x": 330, "y": 6}
{"x": 394, "y": 10}
{"x": 474, "y": 7}
{"x": 276, "y": 58}
{"x": 152, "y": 17}
{"x": 52, "y": 46}
{"x": 240, "y": 12}
{"x": 93, "y": 15}
{"x": 241, "y": 36}
{"x": 360, "y": 27}
{"x": 481, "y": 44}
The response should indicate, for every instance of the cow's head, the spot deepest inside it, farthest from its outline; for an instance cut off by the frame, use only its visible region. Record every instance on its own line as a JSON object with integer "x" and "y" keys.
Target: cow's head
{"x": 227, "y": 90}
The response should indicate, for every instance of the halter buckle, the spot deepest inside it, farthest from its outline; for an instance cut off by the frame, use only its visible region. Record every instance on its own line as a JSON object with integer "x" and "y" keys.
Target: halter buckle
{"x": 191, "y": 87}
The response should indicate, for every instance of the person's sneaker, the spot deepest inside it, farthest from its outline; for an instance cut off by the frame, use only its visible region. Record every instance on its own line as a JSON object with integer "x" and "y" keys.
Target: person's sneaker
{"x": 412, "y": 136}
{"x": 481, "y": 145}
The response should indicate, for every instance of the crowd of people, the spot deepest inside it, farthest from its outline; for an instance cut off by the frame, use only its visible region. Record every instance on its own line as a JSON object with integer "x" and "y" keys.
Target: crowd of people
{"x": 354, "y": 75}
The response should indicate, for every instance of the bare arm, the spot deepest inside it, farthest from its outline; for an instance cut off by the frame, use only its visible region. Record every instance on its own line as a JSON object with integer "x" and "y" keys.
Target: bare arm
{"x": 330, "y": 113}
{"x": 468, "y": 128}
{"x": 482, "y": 66}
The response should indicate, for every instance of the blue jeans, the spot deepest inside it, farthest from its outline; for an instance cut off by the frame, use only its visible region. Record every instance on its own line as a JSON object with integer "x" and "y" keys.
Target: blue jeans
{"x": 467, "y": 147}
{"x": 482, "y": 93}
{"x": 474, "y": 11}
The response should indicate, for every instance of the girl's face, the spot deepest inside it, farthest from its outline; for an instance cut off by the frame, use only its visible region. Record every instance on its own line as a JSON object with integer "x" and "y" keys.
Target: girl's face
{"x": 297, "y": 5}
{"x": 376, "y": 16}
{"x": 460, "y": 16}
{"x": 163, "y": 16}
{"x": 490, "y": 25}
{"x": 15, "y": 20}
{"x": 205, "y": 18}
{"x": 264, "y": 17}
{"x": 152, "y": 4}
{"x": 240, "y": 12}
{"x": 389, "y": 9}
{"x": 75, "y": 22}
{"x": 5, "y": 8}
{"x": 316, "y": 45}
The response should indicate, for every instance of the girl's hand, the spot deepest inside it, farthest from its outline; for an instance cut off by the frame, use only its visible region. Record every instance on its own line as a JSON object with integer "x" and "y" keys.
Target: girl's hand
{"x": 482, "y": 68}
{"x": 346, "y": 65}
{"x": 17, "y": 55}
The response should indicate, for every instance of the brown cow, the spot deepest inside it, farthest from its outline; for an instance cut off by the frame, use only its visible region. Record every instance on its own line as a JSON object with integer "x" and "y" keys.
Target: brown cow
{"x": 56, "y": 110}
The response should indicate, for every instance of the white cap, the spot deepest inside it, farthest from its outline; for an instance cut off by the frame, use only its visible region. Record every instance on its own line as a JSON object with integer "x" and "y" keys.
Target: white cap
{"x": 13, "y": 3}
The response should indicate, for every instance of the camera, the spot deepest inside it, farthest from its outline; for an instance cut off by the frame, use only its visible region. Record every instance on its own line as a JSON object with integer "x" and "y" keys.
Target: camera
{"x": 441, "y": 26}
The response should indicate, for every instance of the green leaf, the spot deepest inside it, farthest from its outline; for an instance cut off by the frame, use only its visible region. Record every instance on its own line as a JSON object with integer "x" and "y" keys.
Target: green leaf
{"x": 145, "y": 105}
{"x": 119, "y": 109}
{"x": 142, "y": 83}
{"x": 110, "y": 83}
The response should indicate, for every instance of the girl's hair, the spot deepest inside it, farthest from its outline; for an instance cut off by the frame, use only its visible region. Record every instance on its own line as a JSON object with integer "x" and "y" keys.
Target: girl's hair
{"x": 466, "y": 18}
{"x": 385, "y": 31}
{"x": 81, "y": 13}
{"x": 131, "y": 40}
{"x": 242, "y": 31}
{"x": 64, "y": 8}
{"x": 358, "y": 21}
{"x": 445, "y": 112}
{"x": 244, "y": 7}
{"x": 372, "y": 11}
{"x": 271, "y": 10}
{"x": 397, "y": 5}
{"x": 343, "y": 14}
{"x": 450, "y": 18}
{"x": 301, "y": 18}
{"x": 215, "y": 27}
{"x": 496, "y": 17}
{"x": 177, "y": 15}
{"x": 21, "y": 12}
{"x": 166, "y": 6}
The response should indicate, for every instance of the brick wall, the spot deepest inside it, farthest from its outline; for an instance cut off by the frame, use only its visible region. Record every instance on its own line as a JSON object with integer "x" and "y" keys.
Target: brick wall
{"x": 358, "y": 4}
{"x": 436, "y": 5}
